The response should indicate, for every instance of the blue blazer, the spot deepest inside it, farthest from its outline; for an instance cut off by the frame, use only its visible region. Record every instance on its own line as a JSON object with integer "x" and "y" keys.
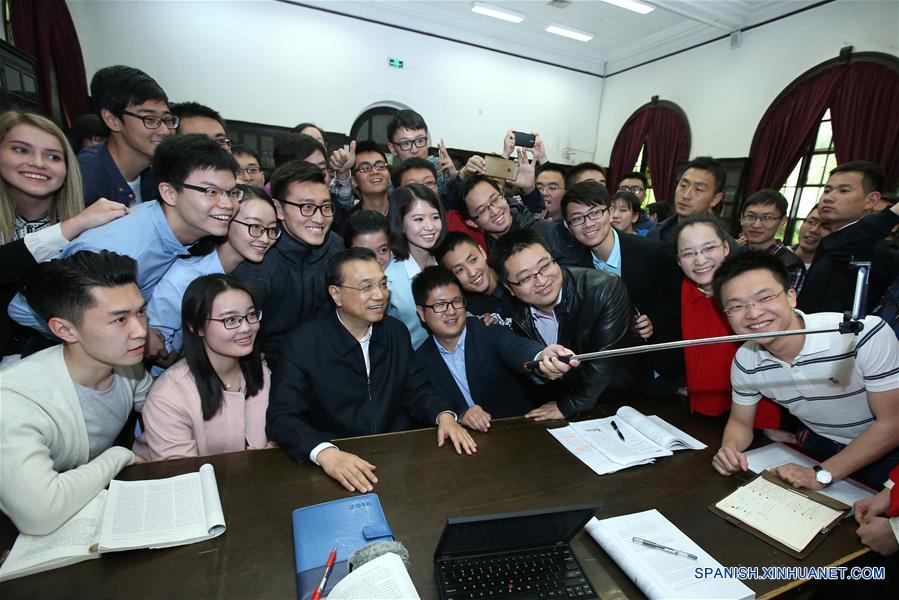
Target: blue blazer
{"x": 494, "y": 359}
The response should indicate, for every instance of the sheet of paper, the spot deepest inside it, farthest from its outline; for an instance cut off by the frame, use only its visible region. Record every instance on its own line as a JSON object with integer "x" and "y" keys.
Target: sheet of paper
{"x": 384, "y": 578}
{"x": 690, "y": 442}
{"x": 774, "y": 455}
{"x": 782, "y": 514}
{"x": 634, "y": 449}
{"x": 586, "y": 453}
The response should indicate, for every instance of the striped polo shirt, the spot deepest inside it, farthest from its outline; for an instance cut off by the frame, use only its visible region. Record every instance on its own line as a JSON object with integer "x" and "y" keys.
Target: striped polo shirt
{"x": 826, "y": 385}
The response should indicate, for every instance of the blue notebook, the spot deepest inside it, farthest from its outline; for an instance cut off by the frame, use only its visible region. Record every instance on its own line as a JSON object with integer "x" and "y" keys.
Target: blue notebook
{"x": 346, "y": 524}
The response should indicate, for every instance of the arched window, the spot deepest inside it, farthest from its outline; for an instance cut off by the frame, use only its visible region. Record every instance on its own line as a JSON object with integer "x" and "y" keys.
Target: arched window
{"x": 372, "y": 125}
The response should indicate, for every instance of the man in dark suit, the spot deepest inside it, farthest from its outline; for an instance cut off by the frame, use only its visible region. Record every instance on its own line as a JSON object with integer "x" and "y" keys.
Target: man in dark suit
{"x": 352, "y": 372}
{"x": 479, "y": 367}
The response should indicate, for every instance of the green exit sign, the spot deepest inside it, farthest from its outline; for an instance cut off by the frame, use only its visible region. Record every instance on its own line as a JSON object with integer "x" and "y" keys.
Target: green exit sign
{"x": 396, "y": 63}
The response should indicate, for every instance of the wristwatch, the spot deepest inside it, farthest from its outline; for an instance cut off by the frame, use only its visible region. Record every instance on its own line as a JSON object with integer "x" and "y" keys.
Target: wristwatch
{"x": 823, "y": 476}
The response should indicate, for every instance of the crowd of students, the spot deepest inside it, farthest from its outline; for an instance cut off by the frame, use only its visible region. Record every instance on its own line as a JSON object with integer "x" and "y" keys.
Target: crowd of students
{"x": 350, "y": 292}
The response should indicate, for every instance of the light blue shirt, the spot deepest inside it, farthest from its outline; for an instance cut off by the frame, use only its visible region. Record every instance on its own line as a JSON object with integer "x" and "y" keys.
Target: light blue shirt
{"x": 143, "y": 234}
{"x": 455, "y": 362}
{"x": 547, "y": 325}
{"x": 402, "y": 304}
{"x": 613, "y": 265}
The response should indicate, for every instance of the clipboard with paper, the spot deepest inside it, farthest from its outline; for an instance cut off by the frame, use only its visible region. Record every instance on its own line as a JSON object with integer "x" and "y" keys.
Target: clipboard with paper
{"x": 793, "y": 520}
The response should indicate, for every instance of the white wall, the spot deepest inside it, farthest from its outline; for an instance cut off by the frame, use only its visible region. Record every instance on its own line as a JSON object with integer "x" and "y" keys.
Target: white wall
{"x": 726, "y": 92}
{"x": 280, "y": 64}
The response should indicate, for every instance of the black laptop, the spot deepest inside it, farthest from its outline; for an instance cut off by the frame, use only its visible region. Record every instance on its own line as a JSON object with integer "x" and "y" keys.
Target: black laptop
{"x": 520, "y": 555}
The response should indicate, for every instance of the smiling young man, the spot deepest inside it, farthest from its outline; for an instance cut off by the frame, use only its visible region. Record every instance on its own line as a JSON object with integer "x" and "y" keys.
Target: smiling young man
{"x": 198, "y": 196}
{"x": 764, "y": 213}
{"x": 135, "y": 110}
{"x": 844, "y": 388}
{"x": 466, "y": 260}
{"x": 551, "y": 185}
{"x": 63, "y": 408}
{"x": 362, "y": 378}
{"x": 289, "y": 283}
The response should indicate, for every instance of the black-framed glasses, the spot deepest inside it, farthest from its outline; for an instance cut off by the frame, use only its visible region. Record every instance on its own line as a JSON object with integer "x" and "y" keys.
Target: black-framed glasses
{"x": 235, "y": 321}
{"x": 406, "y": 145}
{"x": 368, "y": 167}
{"x": 256, "y": 230}
{"x": 542, "y": 272}
{"x": 634, "y": 189}
{"x": 154, "y": 122}
{"x": 593, "y": 215}
{"x": 738, "y": 309}
{"x": 764, "y": 219}
{"x": 704, "y": 251}
{"x": 552, "y": 187}
{"x": 494, "y": 203}
{"x": 368, "y": 288}
{"x": 443, "y": 305}
{"x": 249, "y": 171}
{"x": 307, "y": 209}
{"x": 214, "y": 193}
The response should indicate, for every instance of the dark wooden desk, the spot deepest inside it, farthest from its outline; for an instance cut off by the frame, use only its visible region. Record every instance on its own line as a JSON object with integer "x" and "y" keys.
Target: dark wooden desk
{"x": 518, "y": 466}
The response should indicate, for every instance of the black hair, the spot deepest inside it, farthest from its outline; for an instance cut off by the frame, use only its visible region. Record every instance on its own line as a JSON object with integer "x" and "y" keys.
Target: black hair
{"x": 86, "y": 127}
{"x": 334, "y": 274}
{"x": 752, "y": 260}
{"x": 369, "y": 146}
{"x": 767, "y": 197}
{"x": 701, "y": 219}
{"x": 634, "y": 175}
{"x": 62, "y": 287}
{"x": 400, "y": 204}
{"x": 196, "y": 310}
{"x": 551, "y": 167}
{"x": 186, "y": 110}
{"x": 290, "y": 172}
{"x": 873, "y": 177}
{"x": 296, "y": 146}
{"x": 452, "y": 240}
{"x": 405, "y": 119}
{"x": 415, "y": 162}
{"x": 305, "y": 125}
{"x": 117, "y": 87}
{"x": 588, "y": 193}
{"x": 365, "y": 222}
{"x": 244, "y": 149}
{"x": 576, "y": 170}
{"x": 511, "y": 244}
{"x": 709, "y": 164}
{"x": 630, "y": 198}
{"x": 178, "y": 156}
{"x": 662, "y": 210}
{"x": 469, "y": 184}
{"x": 429, "y": 280}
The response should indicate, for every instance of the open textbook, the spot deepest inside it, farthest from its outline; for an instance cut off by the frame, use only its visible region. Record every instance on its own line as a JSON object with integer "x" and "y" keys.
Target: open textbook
{"x": 384, "y": 578}
{"x": 155, "y": 513}
{"x": 597, "y": 443}
{"x": 660, "y": 574}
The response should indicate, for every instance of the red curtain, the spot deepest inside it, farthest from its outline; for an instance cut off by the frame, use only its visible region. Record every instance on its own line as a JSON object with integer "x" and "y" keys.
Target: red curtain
{"x": 44, "y": 29}
{"x": 667, "y": 145}
{"x": 627, "y": 145}
{"x": 865, "y": 122}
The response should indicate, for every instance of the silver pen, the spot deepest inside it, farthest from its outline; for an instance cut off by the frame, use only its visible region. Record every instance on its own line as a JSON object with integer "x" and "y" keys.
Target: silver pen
{"x": 667, "y": 549}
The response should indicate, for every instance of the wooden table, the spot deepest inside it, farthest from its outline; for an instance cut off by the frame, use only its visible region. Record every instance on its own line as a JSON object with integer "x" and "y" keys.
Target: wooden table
{"x": 518, "y": 466}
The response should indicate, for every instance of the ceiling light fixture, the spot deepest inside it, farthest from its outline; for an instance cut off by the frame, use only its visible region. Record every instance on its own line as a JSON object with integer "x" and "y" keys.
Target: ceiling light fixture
{"x": 497, "y": 13}
{"x": 632, "y": 5}
{"x": 575, "y": 34}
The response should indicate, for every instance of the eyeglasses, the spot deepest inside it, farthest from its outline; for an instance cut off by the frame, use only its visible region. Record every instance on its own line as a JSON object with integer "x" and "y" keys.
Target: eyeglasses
{"x": 406, "y": 145}
{"x": 249, "y": 171}
{"x": 816, "y": 223}
{"x": 224, "y": 143}
{"x": 705, "y": 251}
{"x": 738, "y": 309}
{"x": 366, "y": 167}
{"x": 552, "y": 187}
{"x": 214, "y": 193}
{"x": 593, "y": 215}
{"x": 256, "y": 230}
{"x": 764, "y": 219}
{"x": 368, "y": 288}
{"x": 634, "y": 189}
{"x": 542, "y": 272}
{"x": 307, "y": 209}
{"x": 252, "y": 317}
{"x": 153, "y": 122}
{"x": 494, "y": 203}
{"x": 443, "y": 305}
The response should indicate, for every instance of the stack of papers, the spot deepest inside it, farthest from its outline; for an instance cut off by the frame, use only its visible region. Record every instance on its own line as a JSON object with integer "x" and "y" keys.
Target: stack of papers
{"x": 597, "y": 444}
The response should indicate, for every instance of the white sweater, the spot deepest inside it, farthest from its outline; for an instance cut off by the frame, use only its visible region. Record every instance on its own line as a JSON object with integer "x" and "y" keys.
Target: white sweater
{"x": 45, "y": 476}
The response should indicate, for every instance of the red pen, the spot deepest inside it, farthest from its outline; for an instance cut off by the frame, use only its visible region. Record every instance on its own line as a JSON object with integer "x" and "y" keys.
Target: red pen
{"x": 317, "y": 594}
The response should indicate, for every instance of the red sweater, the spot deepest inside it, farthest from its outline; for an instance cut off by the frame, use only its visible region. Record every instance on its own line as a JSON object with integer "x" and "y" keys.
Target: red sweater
{"x": 893, "y": 510}
{"x": 708, "y": 367}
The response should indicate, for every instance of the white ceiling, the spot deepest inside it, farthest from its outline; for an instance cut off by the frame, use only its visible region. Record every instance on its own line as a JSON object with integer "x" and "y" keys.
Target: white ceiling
{"x": 622, "y": 38}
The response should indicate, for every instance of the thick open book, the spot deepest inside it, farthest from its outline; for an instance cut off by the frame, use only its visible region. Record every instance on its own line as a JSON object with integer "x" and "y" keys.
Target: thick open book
{"x": 384, "y": 578}
{"x": 660, "y": 574}
{"x": 155, "y": 513}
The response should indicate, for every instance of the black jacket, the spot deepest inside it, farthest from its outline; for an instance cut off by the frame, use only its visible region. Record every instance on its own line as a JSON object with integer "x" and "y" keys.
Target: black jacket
{"x": 594, "y": 314}
{"x": 289, "y": 287}
{"x": 321, "y": 390}
{"x": 17, "y": 263}
{"x": 494, "y": 368}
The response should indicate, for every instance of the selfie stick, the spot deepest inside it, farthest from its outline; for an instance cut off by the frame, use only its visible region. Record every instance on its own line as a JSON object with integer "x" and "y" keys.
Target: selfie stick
{"x": 851, "y": 324}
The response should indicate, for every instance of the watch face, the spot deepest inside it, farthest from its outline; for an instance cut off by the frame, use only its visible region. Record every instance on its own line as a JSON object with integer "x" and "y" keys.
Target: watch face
{"x": 823, "y": 477}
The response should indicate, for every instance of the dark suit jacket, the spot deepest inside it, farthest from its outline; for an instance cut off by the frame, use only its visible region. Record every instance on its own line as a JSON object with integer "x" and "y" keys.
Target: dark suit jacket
{"x": 494, "y": 359}
{"x": 321, "y": 390}
{"x": 17, "y": 262}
